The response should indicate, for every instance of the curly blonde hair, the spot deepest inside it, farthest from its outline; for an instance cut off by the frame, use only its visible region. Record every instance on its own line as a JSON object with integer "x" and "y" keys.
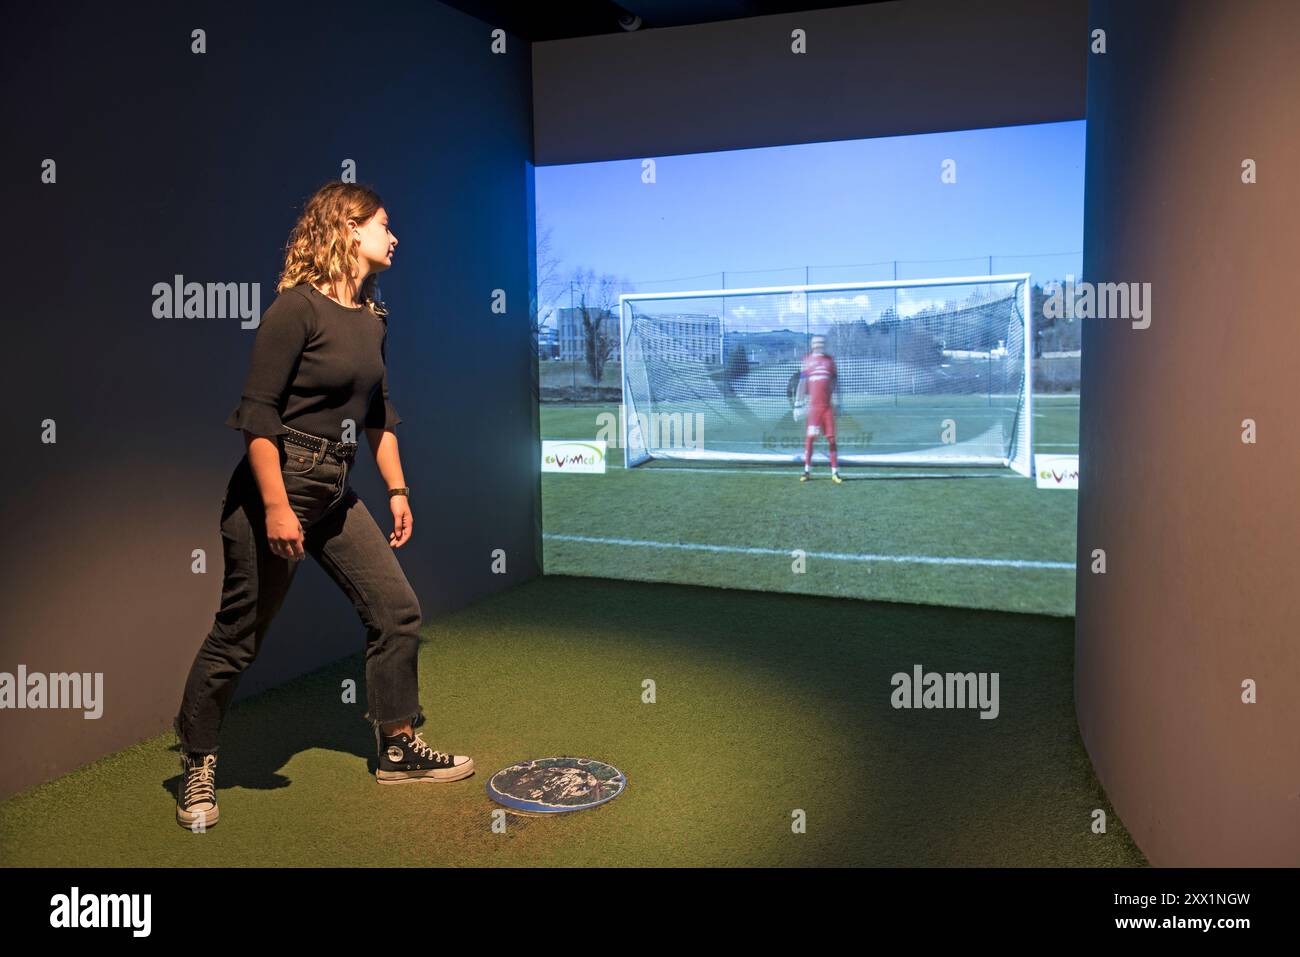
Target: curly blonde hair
{"x": 319, "y": 249}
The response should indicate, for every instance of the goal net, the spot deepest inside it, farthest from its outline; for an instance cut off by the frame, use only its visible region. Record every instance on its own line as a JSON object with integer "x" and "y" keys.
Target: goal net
{"x": 930, "y": 372}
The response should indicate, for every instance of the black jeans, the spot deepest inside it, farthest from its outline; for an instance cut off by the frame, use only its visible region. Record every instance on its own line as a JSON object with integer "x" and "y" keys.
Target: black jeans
{"x": 341, "y": 535}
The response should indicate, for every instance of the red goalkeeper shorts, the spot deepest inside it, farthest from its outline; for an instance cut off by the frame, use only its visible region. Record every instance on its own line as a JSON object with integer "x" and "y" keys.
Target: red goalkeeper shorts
{"x": 821, "y": 421}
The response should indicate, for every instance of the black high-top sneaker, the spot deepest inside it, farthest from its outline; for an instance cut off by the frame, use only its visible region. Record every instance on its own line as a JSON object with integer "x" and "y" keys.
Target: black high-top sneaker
{"x": 196, "y": 792}
{"x": 405, "y": 758}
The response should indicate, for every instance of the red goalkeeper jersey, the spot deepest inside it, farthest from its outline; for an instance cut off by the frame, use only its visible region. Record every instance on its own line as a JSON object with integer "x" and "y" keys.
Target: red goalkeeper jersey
{"x": 818, "y": 374}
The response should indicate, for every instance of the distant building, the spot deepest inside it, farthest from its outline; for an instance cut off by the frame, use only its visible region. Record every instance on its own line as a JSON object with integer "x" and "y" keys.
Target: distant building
{"x": 569, "y": 335}
{"x": 684, "y": 337}
{"x": 778, "y": 345}
{"x": 677, "y": 336}
{"x": 548, "y": 343}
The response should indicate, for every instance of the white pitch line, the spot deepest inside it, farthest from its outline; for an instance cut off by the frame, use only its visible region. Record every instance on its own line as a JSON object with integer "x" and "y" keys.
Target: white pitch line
{"x": 835, "y": 556}
{"x": 793, "y": 469}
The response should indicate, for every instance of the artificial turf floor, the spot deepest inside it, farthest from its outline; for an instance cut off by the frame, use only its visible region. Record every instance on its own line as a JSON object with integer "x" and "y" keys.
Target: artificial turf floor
{"x": 764, "y": 705}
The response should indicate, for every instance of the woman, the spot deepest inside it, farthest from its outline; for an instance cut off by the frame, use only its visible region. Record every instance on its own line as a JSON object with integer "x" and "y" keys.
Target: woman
{"x": 317, "y": 375}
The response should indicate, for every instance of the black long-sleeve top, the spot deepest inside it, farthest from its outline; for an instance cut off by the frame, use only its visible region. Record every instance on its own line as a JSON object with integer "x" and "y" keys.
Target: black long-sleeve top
{"x": 315, "y": 364}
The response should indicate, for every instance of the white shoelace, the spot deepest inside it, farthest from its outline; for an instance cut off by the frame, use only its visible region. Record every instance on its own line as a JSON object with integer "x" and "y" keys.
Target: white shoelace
{"x": 419, "y": 746}
{"x": 200, "y": 781}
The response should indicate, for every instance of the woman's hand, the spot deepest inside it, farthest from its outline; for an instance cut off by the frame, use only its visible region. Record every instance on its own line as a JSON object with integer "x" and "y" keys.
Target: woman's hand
{"x": 284, "y": 532}
{"x": 402, "y": 521}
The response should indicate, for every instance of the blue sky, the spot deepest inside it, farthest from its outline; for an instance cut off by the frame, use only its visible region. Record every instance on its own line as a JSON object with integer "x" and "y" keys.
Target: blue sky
{"x": 763, "y": 215}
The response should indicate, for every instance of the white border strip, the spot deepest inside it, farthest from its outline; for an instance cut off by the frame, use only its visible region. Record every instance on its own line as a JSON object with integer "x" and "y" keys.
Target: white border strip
{"x": 834, "y": 556}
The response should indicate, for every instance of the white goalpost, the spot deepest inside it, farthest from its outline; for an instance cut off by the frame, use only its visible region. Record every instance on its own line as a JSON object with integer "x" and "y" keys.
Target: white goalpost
{"x": 931, "y": 372}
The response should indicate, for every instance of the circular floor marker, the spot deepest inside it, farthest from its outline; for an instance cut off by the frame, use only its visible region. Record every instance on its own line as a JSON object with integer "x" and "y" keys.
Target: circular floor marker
{"x": 553, "y": 785}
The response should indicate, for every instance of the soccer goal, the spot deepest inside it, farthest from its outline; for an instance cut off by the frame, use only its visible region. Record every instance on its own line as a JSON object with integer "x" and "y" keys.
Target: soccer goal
{"x": 931, "y": 372}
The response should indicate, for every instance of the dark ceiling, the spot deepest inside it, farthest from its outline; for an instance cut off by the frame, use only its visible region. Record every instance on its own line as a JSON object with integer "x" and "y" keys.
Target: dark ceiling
{"x": 558, "y": 19}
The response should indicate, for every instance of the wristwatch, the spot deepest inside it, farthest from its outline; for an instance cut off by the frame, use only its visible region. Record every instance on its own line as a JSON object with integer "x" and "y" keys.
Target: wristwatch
{"x": 399, "y": 491}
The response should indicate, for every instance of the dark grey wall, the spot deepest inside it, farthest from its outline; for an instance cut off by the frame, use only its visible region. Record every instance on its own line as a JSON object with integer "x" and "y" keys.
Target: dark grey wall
{"x": 1199, "y": 529}
{"x": 171, "y": 162}
{"x": 916, "y": 66}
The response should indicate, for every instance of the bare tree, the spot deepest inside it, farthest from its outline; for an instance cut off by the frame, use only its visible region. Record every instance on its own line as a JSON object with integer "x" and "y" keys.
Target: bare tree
{"x": 595, "y": 300}
{"x": 550, "y": 284}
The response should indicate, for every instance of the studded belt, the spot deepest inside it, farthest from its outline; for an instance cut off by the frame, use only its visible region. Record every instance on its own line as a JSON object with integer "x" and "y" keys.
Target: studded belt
{"x": 317, "y": 443}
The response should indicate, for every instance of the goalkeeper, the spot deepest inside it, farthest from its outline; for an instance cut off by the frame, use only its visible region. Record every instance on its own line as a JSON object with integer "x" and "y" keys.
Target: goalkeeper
{"x": 818, "y": 382}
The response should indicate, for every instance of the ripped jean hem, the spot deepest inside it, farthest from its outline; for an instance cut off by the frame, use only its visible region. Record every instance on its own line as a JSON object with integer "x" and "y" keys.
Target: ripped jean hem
{"x": 180, "y": 740}
{"x": 416, "y": 718}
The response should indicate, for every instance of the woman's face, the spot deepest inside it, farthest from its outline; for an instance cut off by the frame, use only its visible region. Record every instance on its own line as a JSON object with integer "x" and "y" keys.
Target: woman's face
{"x": 377, "y": 242}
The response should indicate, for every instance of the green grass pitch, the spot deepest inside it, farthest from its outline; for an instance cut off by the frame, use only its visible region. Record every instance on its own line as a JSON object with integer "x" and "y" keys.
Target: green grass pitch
{"x": 976, "y": 538}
